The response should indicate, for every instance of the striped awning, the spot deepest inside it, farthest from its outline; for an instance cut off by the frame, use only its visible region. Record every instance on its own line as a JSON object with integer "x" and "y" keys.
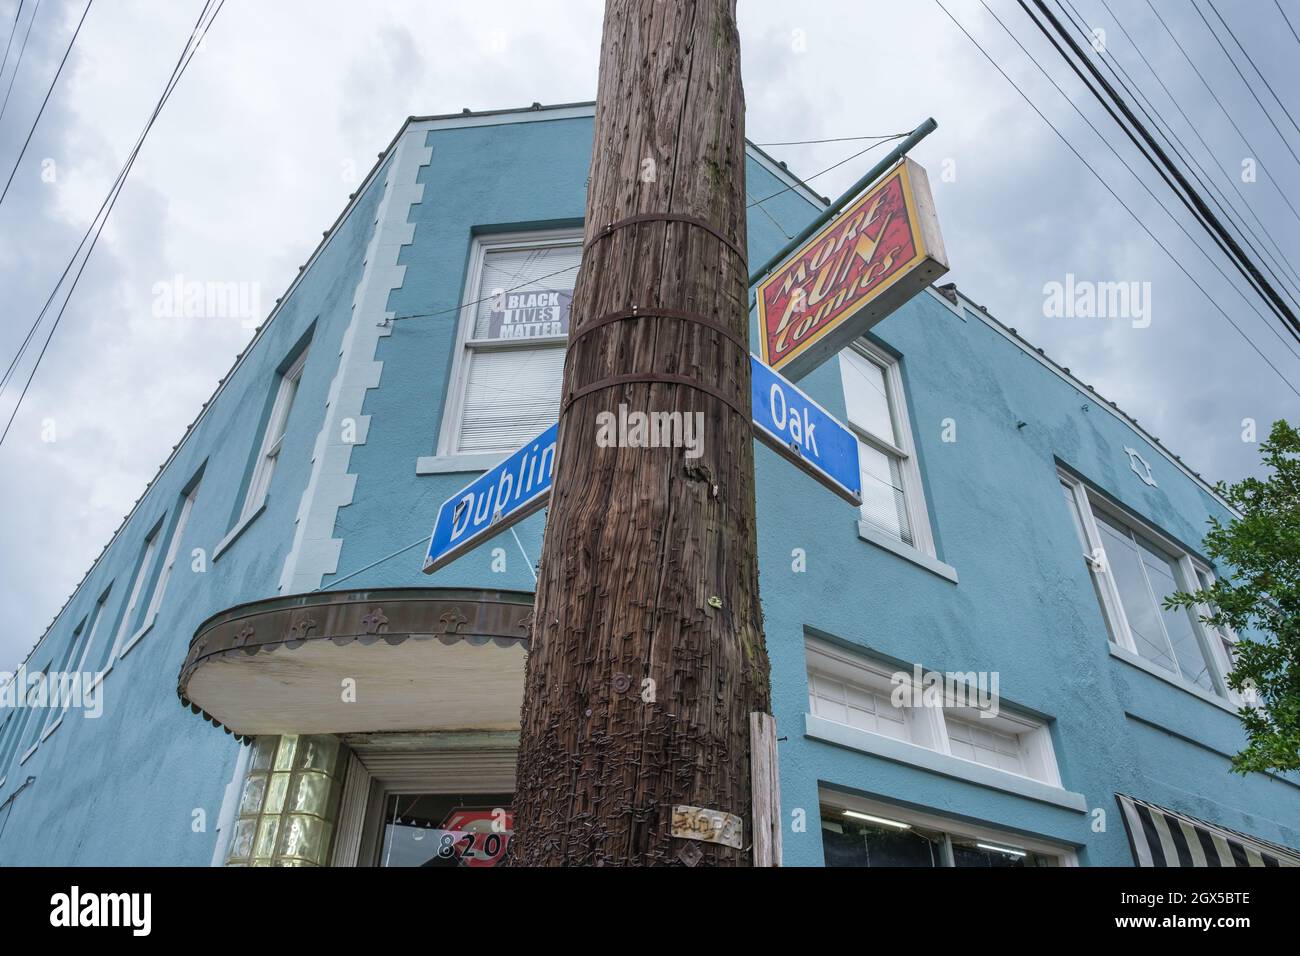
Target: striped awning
{"x": 1162, "y": 837}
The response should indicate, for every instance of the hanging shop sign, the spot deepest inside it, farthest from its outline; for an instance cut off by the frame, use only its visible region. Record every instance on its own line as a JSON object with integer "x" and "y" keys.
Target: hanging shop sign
{"x": 880, "y": 251}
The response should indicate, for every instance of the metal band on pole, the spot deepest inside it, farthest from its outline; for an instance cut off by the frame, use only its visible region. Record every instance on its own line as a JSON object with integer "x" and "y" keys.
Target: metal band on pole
{"x": 666, "y": 217}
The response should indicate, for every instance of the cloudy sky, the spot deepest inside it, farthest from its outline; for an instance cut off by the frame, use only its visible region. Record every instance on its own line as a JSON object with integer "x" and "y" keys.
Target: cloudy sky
{"x": 290, "y": 101}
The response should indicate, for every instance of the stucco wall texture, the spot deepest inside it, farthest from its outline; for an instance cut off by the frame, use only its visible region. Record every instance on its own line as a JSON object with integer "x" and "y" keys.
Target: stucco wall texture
{"x": 125, "y": 788}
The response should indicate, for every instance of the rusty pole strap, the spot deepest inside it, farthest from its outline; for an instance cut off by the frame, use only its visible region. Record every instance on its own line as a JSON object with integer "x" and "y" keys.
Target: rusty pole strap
{"x": 665, "y": 378}
{"x": 613, "y": 227}
{"x": 652, "y": 312}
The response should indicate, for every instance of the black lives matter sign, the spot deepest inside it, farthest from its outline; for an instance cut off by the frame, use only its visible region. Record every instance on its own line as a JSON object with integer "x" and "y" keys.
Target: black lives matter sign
{"x": 529, "y": 315}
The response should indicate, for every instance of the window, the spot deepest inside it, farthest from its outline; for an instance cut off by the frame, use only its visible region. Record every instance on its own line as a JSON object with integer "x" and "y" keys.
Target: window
{"x": 514, "y": 328}
{"x": 71, "y": 657}
{"x": 892, "y": 501}
{"x": 30, "y": 726}
{"x": 96, "y": 622}
{"x": 182, "y": 518}
{"x": 273, "y": 437}
{"x": 109, "y": 653}
{"x": 860, "y": 692}
{"x": 9, "y": 740}
{"x": 1133, "y": 569}
{"x": 858, "y": 832}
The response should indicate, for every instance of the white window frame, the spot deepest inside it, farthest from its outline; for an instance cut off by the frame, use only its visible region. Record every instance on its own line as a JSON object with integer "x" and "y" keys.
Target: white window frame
{"x": 1189, "y": 569}
{"x": 132, "y": 602}
{"x": 927, "y": 726}
{"x": 268, "y": 454}
{"x": 1063, "y": 855}
{"x": 165, "y": 572}
{"x": 918, "y": 512}
{"x": 458, "y": 381}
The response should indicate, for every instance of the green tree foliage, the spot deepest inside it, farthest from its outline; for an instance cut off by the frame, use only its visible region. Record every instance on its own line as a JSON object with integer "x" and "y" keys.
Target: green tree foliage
{"x": 1259, "y": 598}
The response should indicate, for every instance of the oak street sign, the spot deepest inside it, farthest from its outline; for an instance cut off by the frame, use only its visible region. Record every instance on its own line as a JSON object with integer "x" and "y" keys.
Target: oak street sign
{"x": 880, "y": 251}
{"x": 784, "y": 418}
{"x": 804, "y": 433}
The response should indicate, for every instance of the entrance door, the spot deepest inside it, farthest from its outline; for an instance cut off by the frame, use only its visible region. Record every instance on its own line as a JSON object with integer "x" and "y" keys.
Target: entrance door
{"x": 436, "y": 829}
{"x": 435, "y": 799}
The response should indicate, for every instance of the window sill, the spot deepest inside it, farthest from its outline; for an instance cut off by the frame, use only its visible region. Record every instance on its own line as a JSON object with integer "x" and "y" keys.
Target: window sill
{"x": 99, "y": 678}
{"x": 52, "y": 728}
{"x": 1142, "y": 664}
{"x": 456, "y": 464}
{"x": 135, "y": 638}
{"x": 25, "y": 757}
{"x": 899, "y": 751}
{"x": 870, "y": 534}
{"x": 233, "y": 534}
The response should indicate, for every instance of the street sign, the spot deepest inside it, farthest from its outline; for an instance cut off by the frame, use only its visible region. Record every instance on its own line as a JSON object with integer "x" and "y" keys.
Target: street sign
{"x": 497, "y": 499}
{"x": 784, "y": 418}
{"x": 880, "y": 251}
{"x": 804, "y": 433}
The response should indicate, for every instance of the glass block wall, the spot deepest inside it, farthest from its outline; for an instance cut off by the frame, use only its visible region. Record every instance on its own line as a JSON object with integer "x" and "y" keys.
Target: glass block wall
{"x": 289, "y": 802}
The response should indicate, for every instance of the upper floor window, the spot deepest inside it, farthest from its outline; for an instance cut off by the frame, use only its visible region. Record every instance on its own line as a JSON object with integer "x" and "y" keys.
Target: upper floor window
{"x": 509, "y": 364}
{"x": 1133, "y": 569}
{"x": 173, "y": 546}
{"x": 273, "y": 436}
{"x": 892, "y": 500}
{"x": 132, "y": 611}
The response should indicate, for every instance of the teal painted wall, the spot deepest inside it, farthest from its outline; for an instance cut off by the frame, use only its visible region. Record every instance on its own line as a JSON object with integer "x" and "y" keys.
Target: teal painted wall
{"x": 122, "y": 789}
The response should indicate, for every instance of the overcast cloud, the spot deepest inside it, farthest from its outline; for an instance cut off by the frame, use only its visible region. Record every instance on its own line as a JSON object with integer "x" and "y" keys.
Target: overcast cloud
{"x": 290, "y": 101}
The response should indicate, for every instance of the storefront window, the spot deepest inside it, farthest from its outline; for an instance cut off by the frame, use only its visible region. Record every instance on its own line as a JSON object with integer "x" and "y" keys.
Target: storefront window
{"x": 857, "y": 838}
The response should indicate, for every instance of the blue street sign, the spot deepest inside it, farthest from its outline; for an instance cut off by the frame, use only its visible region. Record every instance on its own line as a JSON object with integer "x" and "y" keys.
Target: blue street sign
{"x": 784, "y": 418}
{"x": 804, "y": 433}
{"x": 503, "y": 496}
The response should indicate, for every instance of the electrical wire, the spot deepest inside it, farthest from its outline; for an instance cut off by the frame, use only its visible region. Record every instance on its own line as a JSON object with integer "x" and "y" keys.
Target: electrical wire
{"x": 1139, "y": 179}
{"x": 1281, "y": 257}
{"x": 187, "y": 55}
{"x": 1188, "y": 196}
{"x": 121, "y": 175}
{"x": 1264, "y": 167}
{"x": 41, "y": 112}
{"x": 1175, "y": 143}
{"x": 808, "y": 179}
{"x": 1070, "y": 146}
{"x": 18, "y": 62}
{"x": 836, "y": 139}
{"x": 1249, "y": 86}
{"x": 13, "y": 29}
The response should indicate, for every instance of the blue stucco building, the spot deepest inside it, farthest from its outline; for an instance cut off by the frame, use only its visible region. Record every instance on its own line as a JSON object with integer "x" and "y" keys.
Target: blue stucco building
{"x": 1017, "y": 530}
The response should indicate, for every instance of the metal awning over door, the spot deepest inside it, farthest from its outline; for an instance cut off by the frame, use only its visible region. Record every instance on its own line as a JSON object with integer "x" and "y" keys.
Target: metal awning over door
{"x": 1161, "y": 837}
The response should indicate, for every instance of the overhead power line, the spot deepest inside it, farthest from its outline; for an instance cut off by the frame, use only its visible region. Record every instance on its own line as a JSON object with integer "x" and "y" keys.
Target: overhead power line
{"x": 1070, "y": 146}
{"x": 1194, "y": 127}
{"x": 1165, "y": 167}
{"x": 1252, "y": 304}
{"x": 1197, "y": 171}
{"x": 19, "y": 61}
{"x": 197, "y": 33}
{"x": 1263, "y": 166}
{"x": 13, "y": 29}
{"x": 836, "y": 139}
{"x": 39, "y": 113}
{"x": 1249, "y": 86}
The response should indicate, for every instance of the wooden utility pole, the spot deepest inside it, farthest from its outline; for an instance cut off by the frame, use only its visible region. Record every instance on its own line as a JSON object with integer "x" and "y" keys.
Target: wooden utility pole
{"x": 647, "y": 655}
